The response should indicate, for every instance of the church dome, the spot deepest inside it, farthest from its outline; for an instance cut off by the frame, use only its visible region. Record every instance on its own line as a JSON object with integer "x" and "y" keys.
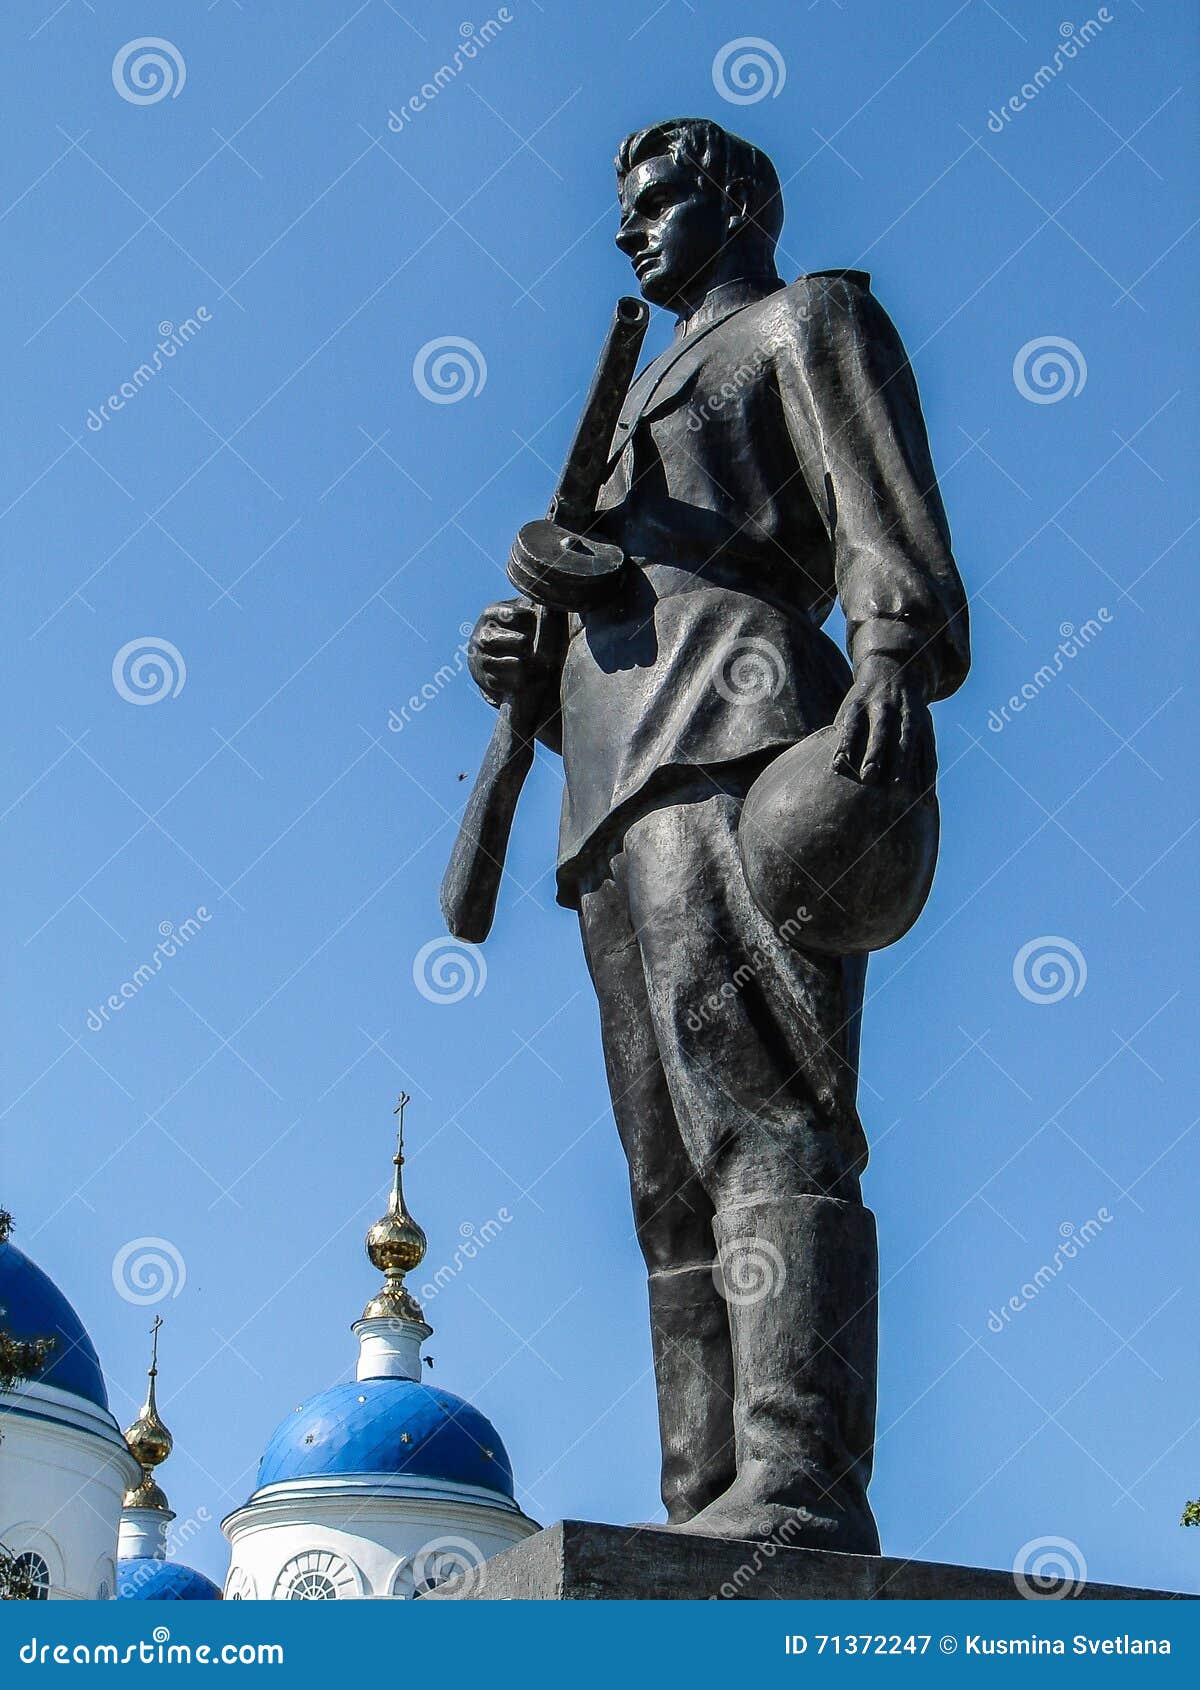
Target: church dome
{"x": 144, "y": 1573}
{"x": 372, "y": 1487}
{"x": 32, "y": 1306}
{"x": 144, "y": 1578}
{"x": 395, "y": 1426}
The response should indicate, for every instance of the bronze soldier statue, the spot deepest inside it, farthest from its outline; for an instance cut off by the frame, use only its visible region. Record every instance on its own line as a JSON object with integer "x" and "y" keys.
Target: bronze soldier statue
{"x": 772, "y": 460}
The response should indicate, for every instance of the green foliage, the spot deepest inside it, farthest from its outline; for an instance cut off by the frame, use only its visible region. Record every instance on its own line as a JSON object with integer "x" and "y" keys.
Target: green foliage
{"x": 20, "y": 1358}
{"x": 16, "y": 1582}
{"x": 1191, "y": 1514}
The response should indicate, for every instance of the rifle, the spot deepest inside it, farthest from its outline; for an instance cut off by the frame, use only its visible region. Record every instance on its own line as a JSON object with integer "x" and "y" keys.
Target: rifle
{"x": 560, "y": 568}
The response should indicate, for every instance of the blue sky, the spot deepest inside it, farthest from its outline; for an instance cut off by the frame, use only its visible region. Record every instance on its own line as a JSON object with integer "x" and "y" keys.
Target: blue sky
{"x": 309, "y": 532}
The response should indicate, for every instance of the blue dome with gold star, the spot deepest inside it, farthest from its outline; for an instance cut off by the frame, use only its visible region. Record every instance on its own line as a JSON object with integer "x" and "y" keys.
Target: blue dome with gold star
{"x": 400, "y": 1427}
{"x": 388, "y": 1424}
{"x": 144, "y": 1578}
{"x": 31, "y": 1307}
{"x": 367, "y": 1487}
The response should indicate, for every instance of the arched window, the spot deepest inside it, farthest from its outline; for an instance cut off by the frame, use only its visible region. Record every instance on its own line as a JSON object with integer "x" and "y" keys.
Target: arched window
{"x": 239, "y": 1586}
{"x": 311, "y": 1586}
{"x": 446, "y": 1558}
{"x": 31, "y": 1577}
{"x": 316, "y": 1576}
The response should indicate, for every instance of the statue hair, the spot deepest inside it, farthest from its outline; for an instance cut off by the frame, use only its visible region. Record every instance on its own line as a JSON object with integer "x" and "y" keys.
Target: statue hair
{"x": 721, "y": 158}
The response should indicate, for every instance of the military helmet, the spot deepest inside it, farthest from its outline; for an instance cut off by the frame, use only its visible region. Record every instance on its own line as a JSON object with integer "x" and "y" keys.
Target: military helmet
{"x": 836, "y": 866}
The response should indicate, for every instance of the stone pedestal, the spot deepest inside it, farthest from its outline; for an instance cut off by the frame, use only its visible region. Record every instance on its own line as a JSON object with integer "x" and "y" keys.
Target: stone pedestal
{"x": 577, "y": 1561}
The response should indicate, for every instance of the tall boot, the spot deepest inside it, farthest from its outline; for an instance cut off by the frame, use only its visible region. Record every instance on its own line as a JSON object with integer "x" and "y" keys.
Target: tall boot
{"x": 802, "y": 1282}
{"x": 693, "y": 1368}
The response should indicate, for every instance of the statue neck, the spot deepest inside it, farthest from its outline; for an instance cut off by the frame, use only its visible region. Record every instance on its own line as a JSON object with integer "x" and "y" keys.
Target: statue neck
{"x": 725, "y": 296}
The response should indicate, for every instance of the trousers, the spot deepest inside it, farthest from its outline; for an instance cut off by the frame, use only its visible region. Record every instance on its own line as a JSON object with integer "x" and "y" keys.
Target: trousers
{"x": 731, "y": 1055}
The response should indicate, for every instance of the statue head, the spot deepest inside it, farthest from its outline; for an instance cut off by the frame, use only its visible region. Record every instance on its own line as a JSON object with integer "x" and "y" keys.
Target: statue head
{"x": 698, "y": 206}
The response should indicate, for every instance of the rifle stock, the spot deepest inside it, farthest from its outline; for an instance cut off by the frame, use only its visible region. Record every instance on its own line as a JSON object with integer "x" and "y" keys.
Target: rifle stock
{"x": 471, "y": 883}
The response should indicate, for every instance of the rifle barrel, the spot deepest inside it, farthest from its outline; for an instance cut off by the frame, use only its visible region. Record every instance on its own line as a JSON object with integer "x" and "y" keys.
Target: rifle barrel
{"x": 574, "y": 502}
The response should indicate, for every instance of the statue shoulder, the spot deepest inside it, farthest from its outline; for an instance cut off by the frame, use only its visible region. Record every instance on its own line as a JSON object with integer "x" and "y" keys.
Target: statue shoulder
{"x": 827, "y": 304}
{"x": 860, "y": 279}
{"x": 821, "y": 289}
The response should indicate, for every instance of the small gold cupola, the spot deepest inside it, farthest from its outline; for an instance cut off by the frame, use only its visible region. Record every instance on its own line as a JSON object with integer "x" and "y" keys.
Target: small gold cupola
{"x": 392, "y": 1328}
{"x": 150, "y": 1443}
{"x": 396, "y": 1244}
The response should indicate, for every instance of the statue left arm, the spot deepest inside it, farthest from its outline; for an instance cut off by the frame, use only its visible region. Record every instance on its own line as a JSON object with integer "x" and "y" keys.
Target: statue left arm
{"x": 855, "y": 418}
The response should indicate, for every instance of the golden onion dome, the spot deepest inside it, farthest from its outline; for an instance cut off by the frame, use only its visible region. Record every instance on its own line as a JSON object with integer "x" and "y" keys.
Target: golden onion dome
{"x": 396, "y": 1244}
{"x": 149, "y": 1440}
{"x": 146, "y": 1494}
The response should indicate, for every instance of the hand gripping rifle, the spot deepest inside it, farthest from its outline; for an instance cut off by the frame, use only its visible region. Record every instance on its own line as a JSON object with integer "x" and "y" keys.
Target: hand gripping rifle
{"x": 555, "y": 564}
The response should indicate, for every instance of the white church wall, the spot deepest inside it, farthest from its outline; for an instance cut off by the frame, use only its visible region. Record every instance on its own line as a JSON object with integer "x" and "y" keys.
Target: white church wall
{"x": 357, "y": 1544}
{"x": 63, "y": 1472}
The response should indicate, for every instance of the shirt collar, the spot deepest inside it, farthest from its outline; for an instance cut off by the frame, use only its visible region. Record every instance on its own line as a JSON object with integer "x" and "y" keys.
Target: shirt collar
{"x": 722, "y": 301}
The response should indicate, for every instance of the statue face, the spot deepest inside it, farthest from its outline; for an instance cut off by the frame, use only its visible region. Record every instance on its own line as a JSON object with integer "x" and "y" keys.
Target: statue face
{"x": 674, "y": 225}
